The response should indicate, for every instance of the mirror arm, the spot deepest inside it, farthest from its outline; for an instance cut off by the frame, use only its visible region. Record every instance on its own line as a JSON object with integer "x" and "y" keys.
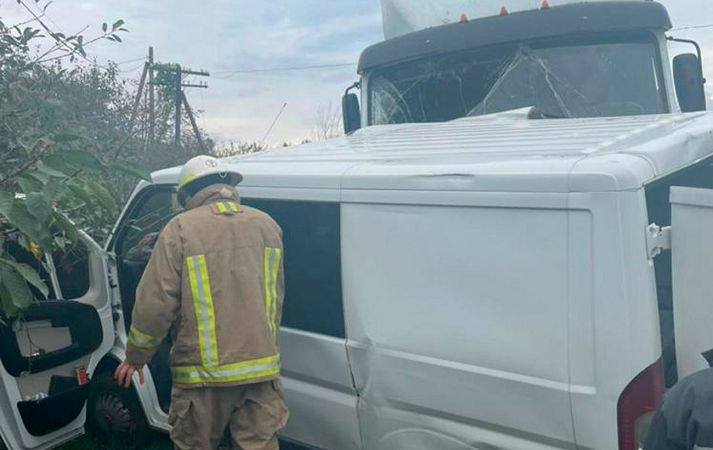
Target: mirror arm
{"x": 698, "y": 50}
{"x": 356, "y": 85}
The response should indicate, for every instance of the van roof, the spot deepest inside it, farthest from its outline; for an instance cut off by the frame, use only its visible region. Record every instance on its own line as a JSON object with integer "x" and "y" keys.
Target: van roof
{"x": 499, "y": 152}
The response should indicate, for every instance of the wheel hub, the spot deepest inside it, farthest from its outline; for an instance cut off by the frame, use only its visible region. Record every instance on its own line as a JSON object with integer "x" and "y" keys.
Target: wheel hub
{"x": 114, "y": 416}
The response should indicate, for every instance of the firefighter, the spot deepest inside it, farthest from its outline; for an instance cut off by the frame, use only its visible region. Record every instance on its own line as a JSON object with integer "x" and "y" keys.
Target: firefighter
{"x": 215, "y": 279}
{"x": 684, "y": 419}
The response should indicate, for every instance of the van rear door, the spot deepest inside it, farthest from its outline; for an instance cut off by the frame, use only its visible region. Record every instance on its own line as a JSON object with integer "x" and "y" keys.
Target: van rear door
{"x": 692, "y": 269}
{"x": 43, "y": 390}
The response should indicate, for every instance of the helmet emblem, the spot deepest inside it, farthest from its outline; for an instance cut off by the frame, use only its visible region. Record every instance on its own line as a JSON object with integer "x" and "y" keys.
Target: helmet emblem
{"x": 211, "y": 163}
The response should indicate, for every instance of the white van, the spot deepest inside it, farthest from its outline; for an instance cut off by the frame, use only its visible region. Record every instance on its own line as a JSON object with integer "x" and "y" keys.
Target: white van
{"x": 489, "y": 293}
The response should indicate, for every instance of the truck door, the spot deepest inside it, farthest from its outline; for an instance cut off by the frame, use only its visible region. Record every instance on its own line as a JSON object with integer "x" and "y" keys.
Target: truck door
{"x": 692, "y": 269}
{"x": 42, "y": 390}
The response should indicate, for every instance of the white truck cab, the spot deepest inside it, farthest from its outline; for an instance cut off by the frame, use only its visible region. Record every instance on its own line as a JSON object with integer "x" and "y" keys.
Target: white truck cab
{"x": 515, "y": 278}
{"x": 591, "y": 59}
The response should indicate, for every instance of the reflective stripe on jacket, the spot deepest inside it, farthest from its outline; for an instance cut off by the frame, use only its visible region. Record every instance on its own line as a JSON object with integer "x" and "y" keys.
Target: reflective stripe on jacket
{"x": 215, "y": 276}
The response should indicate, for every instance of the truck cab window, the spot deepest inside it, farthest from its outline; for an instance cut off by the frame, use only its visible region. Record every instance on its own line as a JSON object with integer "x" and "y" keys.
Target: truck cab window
{"x": 565, "y": 78}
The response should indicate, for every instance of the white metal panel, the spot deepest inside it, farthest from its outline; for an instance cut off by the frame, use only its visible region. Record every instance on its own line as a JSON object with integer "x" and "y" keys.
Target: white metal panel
{"x": 613, "y": 317}
{"x": 319, "y": 391}
{"x": 692, "y": 265}
{"x": 463, "y": 175}
{"x": 671, "y": 144}
{"x": 463, "y": 320}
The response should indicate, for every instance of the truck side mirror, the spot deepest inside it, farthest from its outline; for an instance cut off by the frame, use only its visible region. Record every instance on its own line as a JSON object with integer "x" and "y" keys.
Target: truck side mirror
{"x": 690, "y": 84}
{"x": 351, "y": 113}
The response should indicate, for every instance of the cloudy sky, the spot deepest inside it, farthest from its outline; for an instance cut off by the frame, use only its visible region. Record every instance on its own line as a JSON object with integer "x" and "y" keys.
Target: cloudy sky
{"x": 230, "y": 38}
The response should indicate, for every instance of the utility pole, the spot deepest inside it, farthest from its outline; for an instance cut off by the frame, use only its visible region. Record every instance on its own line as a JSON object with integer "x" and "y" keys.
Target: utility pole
{"x": 137, "y": 100}
{"x": 134, "y": 111}
{"x": 148, "y": 76}
{"x": 179, "y": 96}
{"x": 152, "y": 106}
{"x": 193, "y": 123}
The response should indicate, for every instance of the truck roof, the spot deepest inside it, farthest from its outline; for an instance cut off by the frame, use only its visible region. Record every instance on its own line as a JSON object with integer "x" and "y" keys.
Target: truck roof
{"x": 406, "y": 16}
{"x": 505, "y": 152}
{"x": 564, "y": 20}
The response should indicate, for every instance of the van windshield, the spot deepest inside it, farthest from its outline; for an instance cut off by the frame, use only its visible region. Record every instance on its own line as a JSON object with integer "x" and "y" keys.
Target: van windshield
{"x": 590, "y": 79}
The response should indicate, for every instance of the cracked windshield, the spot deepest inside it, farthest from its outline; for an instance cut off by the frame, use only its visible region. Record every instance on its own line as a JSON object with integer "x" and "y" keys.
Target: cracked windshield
{"x": 592, "y": 80}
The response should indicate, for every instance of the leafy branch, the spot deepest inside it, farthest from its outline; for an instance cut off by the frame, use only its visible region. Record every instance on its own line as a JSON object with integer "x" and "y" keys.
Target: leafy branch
{"x": 69, "y": 46}
{"x": 48, "y": 160}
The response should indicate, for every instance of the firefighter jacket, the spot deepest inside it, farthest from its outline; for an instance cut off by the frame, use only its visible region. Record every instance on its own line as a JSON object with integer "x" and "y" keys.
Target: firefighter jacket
{"x": 215, "y": 279}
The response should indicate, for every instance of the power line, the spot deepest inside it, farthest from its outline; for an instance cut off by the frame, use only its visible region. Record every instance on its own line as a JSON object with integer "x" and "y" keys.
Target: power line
{"x": 143, "y": 58}
{"x": 694, "y": 27}
{"x": 44, "y": 13}
{"x": 227, "y": 73}
{"x": 133, "y": 69}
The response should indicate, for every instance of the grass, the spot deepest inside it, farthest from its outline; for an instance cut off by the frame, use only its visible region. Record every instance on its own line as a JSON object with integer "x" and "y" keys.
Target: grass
{"x": 89, "y": 443}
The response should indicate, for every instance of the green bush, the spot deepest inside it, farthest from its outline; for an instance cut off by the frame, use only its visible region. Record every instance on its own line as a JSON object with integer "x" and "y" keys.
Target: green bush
{"x": 69, "y": 155}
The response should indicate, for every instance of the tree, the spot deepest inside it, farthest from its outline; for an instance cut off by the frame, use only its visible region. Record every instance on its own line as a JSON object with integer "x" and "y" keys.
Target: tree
{"x": 68, "y": 148}
{"x": 52, "y": 160}
{"x": 241, "y": 148}
{"x": 328, "y": 122}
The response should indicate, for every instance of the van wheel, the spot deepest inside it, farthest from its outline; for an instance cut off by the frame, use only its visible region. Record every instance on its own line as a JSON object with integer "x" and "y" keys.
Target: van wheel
{"x": 114, "y": 413}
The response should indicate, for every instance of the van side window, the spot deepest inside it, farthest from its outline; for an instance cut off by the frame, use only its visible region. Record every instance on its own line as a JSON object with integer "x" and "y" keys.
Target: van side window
{"x": 313, "y": 283}
{"x": 72, "y": 268}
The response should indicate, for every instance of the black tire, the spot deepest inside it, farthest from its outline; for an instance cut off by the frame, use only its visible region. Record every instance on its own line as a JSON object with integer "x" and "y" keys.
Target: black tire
{"x": 115, "y": 414}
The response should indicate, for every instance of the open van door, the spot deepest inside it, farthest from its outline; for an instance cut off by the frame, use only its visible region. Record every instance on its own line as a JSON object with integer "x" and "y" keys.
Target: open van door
{"x": 692, "y": 265}
{"x": 43, "y": 388}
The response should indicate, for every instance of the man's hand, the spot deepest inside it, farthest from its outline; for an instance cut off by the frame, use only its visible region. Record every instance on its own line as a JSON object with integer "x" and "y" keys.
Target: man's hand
{"x": 124, "y": 372}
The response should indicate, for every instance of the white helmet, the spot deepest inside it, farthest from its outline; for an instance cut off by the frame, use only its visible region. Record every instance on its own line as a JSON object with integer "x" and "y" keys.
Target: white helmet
{"x": 203, "y": 166}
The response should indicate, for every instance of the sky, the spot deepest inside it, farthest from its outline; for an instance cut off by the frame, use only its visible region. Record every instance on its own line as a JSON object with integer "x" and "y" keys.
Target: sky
{"x": 229, "y": 37}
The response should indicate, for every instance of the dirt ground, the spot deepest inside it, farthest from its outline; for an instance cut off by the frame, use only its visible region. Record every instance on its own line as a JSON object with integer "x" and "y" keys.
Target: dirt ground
{"x": 88, "y": 443}
{"x": 160, "y": 442}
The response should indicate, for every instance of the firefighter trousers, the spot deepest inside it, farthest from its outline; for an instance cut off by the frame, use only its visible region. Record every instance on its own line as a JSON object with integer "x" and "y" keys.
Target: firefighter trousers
{"x": 254, "y": 413}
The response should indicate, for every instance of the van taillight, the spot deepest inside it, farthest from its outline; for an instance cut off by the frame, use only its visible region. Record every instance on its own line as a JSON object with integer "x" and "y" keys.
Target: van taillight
{"x": 637, "y": 404}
